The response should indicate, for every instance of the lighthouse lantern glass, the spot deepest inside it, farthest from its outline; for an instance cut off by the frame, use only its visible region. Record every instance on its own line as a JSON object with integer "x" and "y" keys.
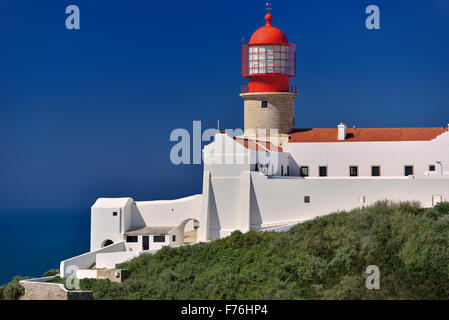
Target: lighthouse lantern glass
{"x": 268, "y": 59}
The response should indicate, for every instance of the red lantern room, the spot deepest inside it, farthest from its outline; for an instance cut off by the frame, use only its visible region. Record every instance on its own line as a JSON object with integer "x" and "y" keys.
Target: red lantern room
{"x": 268, "y": 60}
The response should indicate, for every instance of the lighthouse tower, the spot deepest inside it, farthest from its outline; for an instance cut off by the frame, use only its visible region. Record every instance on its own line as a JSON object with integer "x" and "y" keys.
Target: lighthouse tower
{"x": 268, "y": 61}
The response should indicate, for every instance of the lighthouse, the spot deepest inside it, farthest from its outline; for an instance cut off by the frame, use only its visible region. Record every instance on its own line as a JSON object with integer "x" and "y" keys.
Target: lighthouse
{"x": 268, "y": 61}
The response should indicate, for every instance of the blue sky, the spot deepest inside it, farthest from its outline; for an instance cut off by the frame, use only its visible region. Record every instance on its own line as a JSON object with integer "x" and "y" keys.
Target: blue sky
{"x": 88, "y": 113}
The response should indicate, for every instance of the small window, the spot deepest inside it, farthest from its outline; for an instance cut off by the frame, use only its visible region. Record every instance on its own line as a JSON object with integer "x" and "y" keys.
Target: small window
{"x": 288, "y": 171}
{"x": 131, "y": 239}
{"x": 282, "y": 170}
{"x": 306, "y": 199}
{"x": 264, "y": 104}
{"x": 375, "y": 171}
{"x": 304, "y": 171}
{"x": 323, "y": 171}
{"x": 145, "y": 242}
{"x": 354, "y": 171}
{"x": 256, "y": 167}
{"x": 114, "y": 214}
{"x": 408, "y": 171}
{"x": 174, "y": 238}
{"x": 432, "y": 168}
{"x": 159, "y": 238}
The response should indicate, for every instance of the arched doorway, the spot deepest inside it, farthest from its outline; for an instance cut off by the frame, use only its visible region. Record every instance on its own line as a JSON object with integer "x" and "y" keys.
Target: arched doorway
{"x": 189, "y": 227}
{"x": 106, "y": 243}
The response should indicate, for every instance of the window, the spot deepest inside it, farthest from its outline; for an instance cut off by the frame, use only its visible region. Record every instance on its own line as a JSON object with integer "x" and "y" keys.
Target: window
{"x": 282, "y": 170}
{"x": 306, "y": 199}
{"x": 375, "y": 171}
{"x": 304, "y": 171}
{"x": 322, "y": 171}
{"x": 288, "y": 170}
{"x": 408, "y": 171}
{"x": 264, "y": 104}
{"x": 145, "y": 242}
{"x": 114, "y": 214}
{"x": 269, "y": 59}
{"x": 131, "y": 239}
{"x": 353, "y": 171}
{"x": 159, "y": 238}
{"x": 174, "y": 238}
{"x": 256, "y": 167}
{"x": 432, "y": 168}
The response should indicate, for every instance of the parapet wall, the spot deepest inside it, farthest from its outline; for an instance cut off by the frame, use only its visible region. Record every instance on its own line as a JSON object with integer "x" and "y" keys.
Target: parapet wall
{"x": 86, "y": 260}
{"x": 277, "y": 201}
{"x": 40, "y": 289}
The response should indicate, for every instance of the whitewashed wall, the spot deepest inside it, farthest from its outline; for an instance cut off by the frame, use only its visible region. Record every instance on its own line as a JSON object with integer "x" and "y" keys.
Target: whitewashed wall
{"x": 111, "y": 260}
{"x": 86, "y": 274}
{"x": 279, "y": 201}
{"x": 391, "y": 156}
{"x": 86, "y": 260}
{"x": 165, "y": 212}
{"x": 134, "y": 246}
{"x": 106, "y": 226}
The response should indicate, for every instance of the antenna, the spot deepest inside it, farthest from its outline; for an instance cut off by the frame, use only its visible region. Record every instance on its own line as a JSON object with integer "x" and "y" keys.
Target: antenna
{"x": 218, "y": 125}
{"x": 268, "y": 6}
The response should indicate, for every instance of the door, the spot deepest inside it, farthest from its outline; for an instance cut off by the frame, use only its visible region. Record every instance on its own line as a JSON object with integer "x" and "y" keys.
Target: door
{"x": 145, "y": 243}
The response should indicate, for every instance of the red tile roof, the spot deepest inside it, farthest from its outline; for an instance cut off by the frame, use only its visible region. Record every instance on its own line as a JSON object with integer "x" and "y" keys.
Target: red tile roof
{"x": 366, "y": 134}
{"x": 257, "y": 145}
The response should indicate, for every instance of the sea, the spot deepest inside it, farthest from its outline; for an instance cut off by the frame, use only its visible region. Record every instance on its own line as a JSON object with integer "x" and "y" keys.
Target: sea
{"x": 33, "y": 241}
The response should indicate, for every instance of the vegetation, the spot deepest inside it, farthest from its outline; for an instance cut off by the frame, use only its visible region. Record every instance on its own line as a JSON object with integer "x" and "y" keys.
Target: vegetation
{"x": 52, "y": 272}
{"x": 325, "y": 258}
{"x": 12, "y": 290}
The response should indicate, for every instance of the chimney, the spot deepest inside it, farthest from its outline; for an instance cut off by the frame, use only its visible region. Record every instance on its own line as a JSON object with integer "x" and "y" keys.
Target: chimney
{"x": 341, "y": 131}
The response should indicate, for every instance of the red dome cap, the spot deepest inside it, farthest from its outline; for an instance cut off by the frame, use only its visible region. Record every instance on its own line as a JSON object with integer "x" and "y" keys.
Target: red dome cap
{"x": 268, "y": 34}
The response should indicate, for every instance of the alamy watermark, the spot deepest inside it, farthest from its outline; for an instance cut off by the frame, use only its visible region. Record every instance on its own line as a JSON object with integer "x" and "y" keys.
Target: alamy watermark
{"x": 231, "y": 146}
{"x": 72, "y": 282}
{"x": 73, "y": 20}
{"x": 373, "y": 20}
{"x": 373, "y": 277}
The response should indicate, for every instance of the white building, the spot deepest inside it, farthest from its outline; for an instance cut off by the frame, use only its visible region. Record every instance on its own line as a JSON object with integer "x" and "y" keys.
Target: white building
{"x": 255, "y": 183}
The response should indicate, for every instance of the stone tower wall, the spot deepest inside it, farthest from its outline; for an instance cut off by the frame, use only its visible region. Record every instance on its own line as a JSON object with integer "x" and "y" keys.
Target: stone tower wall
{"x": 279, "y": 115}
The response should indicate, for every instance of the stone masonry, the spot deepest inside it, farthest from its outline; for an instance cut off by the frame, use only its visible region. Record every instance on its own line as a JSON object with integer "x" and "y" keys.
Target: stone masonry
{"x": 279, "y": 115}
{"x": 40, "y": 289}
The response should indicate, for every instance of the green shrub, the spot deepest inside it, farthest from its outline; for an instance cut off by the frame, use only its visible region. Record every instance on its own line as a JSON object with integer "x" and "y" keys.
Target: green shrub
{"x": 320, "y": 259}
{"x": 442, "y": 208}
{"x": 13, "y": 290}
{"x": 52, "y": 272}
{"x": 325, "y": 258}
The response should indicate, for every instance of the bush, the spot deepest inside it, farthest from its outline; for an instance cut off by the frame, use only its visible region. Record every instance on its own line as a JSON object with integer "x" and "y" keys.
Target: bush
{"x": 325, "y": 258}
{"x": 442, "y": 208}
{"x": 12, "y": 290}
{"x": 52, "y": 272}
